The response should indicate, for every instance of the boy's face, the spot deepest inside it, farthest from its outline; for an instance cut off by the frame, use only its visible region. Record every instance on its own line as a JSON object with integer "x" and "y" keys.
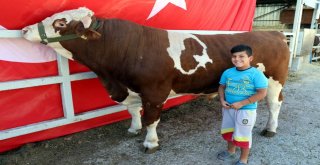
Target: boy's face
{"x": 241, "y": 60}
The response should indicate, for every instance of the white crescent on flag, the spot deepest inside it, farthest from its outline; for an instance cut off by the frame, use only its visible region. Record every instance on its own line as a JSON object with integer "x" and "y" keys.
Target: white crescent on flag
{"x": 2, "y": 28}
{"x": 160, "y": 4}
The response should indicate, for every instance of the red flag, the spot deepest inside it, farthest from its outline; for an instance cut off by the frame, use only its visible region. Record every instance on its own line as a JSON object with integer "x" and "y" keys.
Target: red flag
{"x": 167, "y": 14}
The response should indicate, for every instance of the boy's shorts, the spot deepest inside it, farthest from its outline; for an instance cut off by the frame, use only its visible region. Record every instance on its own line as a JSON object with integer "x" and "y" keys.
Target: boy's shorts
{"x": 237, "y": 126}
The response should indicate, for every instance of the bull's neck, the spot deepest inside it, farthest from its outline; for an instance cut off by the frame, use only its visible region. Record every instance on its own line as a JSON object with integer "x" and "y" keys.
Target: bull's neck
{"x": 118, "y": 43}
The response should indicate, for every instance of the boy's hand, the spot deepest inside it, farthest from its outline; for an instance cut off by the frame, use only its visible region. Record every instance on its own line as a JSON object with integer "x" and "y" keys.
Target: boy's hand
{"x": 225, "y": 105}
{"x": 236, "y": 105}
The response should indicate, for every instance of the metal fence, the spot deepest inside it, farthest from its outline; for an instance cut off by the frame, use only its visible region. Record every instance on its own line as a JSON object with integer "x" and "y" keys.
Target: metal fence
{"x": 64, "y": 79}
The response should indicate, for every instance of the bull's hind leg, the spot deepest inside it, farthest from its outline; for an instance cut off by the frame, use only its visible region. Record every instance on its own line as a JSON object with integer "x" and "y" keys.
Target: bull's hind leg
{"x": 133, "y": 102}
{"x": 135, "y": 127}
{"x": 274, "y": 101}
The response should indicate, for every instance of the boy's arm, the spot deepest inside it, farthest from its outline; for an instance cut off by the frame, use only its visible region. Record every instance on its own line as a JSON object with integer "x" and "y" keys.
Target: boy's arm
{"x": 261, "y": 93}
{"x": 221, "y": 96}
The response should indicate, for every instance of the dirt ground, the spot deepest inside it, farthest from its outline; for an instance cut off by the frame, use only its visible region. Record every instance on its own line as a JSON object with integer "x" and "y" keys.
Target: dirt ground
{"x": 189, "y": 134}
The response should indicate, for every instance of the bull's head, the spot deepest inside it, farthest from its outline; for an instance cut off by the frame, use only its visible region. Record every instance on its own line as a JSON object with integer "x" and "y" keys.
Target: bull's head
{"x": 66, "y": 25}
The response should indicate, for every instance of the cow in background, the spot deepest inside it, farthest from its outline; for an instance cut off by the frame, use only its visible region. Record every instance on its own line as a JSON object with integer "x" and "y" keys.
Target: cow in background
{"x": 315, "y": 51}
{"x": 141, "y": 66}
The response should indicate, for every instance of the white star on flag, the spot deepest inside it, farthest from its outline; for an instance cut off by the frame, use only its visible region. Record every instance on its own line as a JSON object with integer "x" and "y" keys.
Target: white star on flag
{"x": 160, "y": 4}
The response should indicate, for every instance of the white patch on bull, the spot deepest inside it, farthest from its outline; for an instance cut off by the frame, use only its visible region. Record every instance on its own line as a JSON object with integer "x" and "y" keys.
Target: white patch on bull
{"x": 261, "y": 67}
{"x": 32, "y": 33}
{"x": 151, "y": 140}
{"x": 133, "y": 102}
{"x": 285, "y": 40}
{"x": 133, "y": 98}
{"x": 86, "y": 21}
{"x": 176, "y": 41}
{"x": 60, "y": 50}
{"x": 212, "y": 95}
{"x": 84, "y": 37}
{"x": 274, "y": 104}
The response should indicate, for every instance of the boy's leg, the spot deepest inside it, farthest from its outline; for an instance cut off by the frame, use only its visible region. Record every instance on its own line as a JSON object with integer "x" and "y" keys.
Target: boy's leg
{"x": 227, "y": 129}
{"x": 245, "y": 121}
{"x": 231, "y": 147}
{"x": 244, "y": 155}
{"x": 228, "y": 124}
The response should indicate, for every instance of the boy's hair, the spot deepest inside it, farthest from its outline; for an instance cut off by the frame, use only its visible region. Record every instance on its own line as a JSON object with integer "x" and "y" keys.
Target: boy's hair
{"x": 241, "y": 48}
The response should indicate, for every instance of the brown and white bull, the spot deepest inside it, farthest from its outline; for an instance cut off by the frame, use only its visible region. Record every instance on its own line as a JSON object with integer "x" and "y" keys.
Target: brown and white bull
{"x": 141, "y": 66}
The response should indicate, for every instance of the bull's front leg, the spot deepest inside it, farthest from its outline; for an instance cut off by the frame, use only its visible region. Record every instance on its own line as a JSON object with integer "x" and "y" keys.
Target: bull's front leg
{"x": 153, "y": 98}
{"x": 151, "y": 144}
{"x": 151, "y": 120}
{"x": 274, "y": 101}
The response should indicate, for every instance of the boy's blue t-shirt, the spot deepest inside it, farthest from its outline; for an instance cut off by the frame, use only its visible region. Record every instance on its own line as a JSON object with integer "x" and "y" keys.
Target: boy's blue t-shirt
{"x": 241, "y": 84}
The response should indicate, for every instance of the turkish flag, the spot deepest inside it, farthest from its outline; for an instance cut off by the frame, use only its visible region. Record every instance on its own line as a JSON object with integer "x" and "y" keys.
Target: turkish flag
{"x": 167, "y": 14}
{"x": 20, "y": 59}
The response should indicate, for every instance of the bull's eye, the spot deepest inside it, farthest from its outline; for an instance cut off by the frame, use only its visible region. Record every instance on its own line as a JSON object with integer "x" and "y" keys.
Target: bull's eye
{"x": 62, "y": 24}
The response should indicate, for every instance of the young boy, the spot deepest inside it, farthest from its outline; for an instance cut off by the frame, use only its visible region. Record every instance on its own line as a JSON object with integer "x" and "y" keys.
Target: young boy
{"x": 240, "y": 89}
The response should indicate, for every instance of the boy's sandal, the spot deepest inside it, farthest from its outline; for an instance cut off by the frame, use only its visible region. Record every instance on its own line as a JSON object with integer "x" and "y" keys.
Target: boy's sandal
{"x": 225, "y": 155}
{"x": 240, "y": 163}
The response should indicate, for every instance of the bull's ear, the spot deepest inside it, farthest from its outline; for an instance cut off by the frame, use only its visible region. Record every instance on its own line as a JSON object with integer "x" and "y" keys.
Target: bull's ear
{"x": 92, "y": 34}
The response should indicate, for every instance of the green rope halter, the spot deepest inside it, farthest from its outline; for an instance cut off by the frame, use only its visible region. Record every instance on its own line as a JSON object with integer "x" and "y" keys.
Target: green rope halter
{"x": 45, "y": 40}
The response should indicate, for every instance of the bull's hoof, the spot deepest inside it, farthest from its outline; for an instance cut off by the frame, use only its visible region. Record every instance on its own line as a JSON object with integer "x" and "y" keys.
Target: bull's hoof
{"x": 135, "y": 133}
{"x": 267, "y": 133}
{"x": 151, "y": 150}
